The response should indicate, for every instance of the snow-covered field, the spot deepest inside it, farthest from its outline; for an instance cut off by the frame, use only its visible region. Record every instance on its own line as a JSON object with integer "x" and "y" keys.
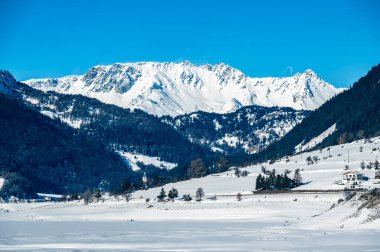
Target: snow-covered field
{"x": 322, "y": 175}
{"x": 293, "y": 221}
{"x": 257, "y": 223}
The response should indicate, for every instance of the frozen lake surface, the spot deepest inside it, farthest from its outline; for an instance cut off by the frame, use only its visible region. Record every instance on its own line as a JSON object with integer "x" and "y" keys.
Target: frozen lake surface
{"x": 179, "y": 236}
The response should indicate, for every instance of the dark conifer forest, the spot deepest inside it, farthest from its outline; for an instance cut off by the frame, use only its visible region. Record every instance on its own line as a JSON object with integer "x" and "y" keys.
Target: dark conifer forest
{"x": 39, "y": 154}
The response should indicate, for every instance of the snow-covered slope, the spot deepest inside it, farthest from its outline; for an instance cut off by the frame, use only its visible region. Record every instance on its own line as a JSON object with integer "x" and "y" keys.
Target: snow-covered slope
{"x": 316, "y": 140}
{"x": 179, "y": 88}
{"x": 322, "y": 175}
{"x": 133, "y": 158}
{"x": 1, "y": 182}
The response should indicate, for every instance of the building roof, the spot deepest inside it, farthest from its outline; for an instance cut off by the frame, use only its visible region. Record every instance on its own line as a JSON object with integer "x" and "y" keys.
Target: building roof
{"x": 352, "y": 172}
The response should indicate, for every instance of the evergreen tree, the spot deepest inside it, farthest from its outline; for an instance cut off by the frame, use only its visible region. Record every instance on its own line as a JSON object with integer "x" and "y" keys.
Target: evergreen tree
{"x": 309, "y": 160}
{"x": 259, "y": 182}
{"x": 197, "y": 169}
{"x": 238, "y": 196}
{"x": 199, "y": 194}
{"x": 186, "y": 197}
{"x": 162, "y": 195}
{"x": 297, "y": 177}
{"x": 237, "y": 172}
{"x": 173, "y": 193}
{"x": 222, "y": 165}
{"x": 362, "y": 164}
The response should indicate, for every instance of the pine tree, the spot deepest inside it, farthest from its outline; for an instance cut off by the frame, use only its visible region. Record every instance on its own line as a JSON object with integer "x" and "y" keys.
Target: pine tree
{"x": 309, "y": 160}
{"x": 362, "y": 165}
{"x": 197, "y": 169}
{"x": 259, "y": 182}
{"x": 297, "y": 177}
{"x": 238, "y": 196}
{"x": 199, "y": 194}
{"x": 173, "y": 193}
{"x": 162, "y": 195}
{"x": 222, "y": 164}
{"x": 237, "y": 172}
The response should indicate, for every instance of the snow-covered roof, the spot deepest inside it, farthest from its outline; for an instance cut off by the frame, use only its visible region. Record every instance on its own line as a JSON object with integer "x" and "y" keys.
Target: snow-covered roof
{"x": 352, "y": 172}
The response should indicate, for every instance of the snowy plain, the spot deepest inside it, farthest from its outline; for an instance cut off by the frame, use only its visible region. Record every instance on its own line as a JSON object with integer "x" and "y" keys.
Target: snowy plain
{"x": 292, "y": 221}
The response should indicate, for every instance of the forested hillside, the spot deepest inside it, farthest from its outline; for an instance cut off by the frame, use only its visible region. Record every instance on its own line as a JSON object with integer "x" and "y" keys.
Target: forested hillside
{"x": 115, "y": 127}
{"x": 39, "y": 154}
{"x": 247, "y": 130}
{"x": 356, "y": 113}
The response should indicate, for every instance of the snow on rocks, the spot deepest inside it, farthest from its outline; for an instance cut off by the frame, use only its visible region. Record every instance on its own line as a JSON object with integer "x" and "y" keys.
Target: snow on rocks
{"x": 180, "y": 88}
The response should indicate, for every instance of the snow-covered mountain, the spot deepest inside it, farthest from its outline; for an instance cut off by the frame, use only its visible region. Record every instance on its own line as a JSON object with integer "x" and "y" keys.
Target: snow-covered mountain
{"x": 180, "y": 88}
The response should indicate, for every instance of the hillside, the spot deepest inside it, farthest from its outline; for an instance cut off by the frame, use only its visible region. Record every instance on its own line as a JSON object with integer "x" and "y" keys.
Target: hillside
{"x": 247, "y": 130}
{"x": 120, "y": 129}
{"x": 182, "y": 88}
{"x": 353, "y": 114}
{"x": 321, "y": 175}
{"x": 39, "y": 154}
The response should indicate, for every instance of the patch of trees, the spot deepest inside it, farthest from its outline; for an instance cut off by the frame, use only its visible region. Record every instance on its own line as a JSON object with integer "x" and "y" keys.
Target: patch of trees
{"x": 172, "y": 194}
{"x": 276, "y": 181}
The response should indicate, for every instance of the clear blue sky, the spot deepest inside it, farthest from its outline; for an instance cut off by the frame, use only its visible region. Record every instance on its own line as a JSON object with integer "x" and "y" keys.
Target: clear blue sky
{"x": 340, "y": 40}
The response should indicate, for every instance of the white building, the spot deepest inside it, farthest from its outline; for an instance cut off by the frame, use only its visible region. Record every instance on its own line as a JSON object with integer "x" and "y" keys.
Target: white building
{"x": 352, "y": 178}
{"x": 50, "y": 197}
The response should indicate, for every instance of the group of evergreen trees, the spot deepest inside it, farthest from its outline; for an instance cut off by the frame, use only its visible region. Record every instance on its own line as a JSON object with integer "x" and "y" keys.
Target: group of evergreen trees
{"x": 172, "y": 194}
{"x": 276, "y": 181}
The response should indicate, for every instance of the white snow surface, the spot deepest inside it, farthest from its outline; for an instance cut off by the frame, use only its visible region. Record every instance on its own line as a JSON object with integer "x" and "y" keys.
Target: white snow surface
{"x": 133, "y": 158}
{"x": 1, "y": 182}
{"x": 180, "y": 88}
{"x": 293, "y": 221}
{"x": 316, "y": 140}
{"x": 256, "y": 223}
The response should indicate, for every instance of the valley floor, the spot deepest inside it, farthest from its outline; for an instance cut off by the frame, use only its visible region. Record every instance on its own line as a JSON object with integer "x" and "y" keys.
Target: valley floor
{"x": 294, "y": 221}
{"x": 287, "y": 222}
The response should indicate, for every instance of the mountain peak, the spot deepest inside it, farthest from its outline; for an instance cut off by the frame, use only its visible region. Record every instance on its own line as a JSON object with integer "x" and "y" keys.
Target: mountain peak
{"x": 310, "y": 72}
{"x": 187, "y": 63}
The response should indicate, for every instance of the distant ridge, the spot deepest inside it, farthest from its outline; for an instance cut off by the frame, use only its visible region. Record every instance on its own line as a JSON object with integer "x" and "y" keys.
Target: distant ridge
{"x": 182, "y": 88}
